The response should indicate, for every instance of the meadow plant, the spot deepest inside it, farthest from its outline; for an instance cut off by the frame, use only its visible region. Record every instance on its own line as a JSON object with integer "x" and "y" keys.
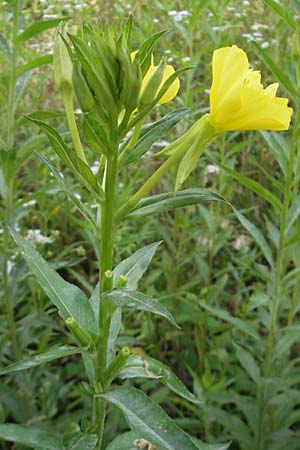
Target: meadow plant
{"x": 117, "y": 88}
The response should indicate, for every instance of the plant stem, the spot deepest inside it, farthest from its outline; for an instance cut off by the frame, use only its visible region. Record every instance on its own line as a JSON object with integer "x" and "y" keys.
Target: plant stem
{"x": 105, "y": 275}
{"x": 277, "y": 284}
{"x": 69, "y": 108}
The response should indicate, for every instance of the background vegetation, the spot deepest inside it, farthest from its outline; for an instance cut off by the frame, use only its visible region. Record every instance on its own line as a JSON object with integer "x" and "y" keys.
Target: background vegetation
{"x": 238, "y": 349}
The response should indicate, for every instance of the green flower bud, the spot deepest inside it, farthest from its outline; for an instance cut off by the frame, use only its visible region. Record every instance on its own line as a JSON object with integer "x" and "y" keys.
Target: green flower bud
{"x": 82, "y": 91}
{"x": 63, "y": 67}
{"x": 81, "y": 336}
{"x": 121, "y": 282}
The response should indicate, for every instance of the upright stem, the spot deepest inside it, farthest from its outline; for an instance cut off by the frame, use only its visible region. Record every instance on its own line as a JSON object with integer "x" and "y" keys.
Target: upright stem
{"x": 277, "y": 284}
{"x": 105, "y": 275}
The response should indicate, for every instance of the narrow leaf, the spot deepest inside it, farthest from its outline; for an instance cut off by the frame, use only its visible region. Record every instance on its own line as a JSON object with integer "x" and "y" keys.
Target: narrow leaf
{"x": 147, "y": 419}
{"x": 38, "y": 360}
{"x": 146, "y": 367}
{"x": 68, "y": 298}
{"x": 38, "y": 27}
{"x": 140, "y": 302}
{"x": 31, "y": 436}
{"x": 37, "y": 62}
{"x": 283, "y": 12}
{"x": 257, "y": 236}
{"x": 254, "y": 186}
{"x": 83, "y": 442}
{"x": 172, "y": 200}
{"x": 249, "y": 364}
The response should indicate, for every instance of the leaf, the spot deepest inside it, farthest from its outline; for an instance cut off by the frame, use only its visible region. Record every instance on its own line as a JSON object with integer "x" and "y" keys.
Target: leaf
{"x": 124, "y": 442}
{"x": 85, "y": 211}
{"x": 140, "y": 302}
{"x": 115, "y": 326}
{"x": 37, "y": 360}
{"x": 279, "y": 147}
{"x": 240, "y": 324}
{"x": 38, "y": 27}
{"x": 30, "y": 436}
{"x": 146, "y": 367}
{"x": 202, "y": 446}
{"x": 249, "y": 364}
{"x": 147, "y": 419}
{"x": 68, "y": 298}
{"x": 279, "y": 73}
{"x": 172, "y": 200}
{"x": 254, "y": 186}
{"x": 153, "y": 133}
{"x": 257, "y": 236}
{"x": 134, "y": 267}
{"x": 79, "y": 168}
{"x": 83, "y": 442}
{"x": 284, "y": 13}
{"x": 37, "y": 62}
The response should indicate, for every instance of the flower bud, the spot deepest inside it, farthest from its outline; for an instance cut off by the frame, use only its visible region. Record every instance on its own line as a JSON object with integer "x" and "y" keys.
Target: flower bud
{"x": 81, "y": 336}
{"x": 121, "y": 282}
{"x": 63, "y": 67}
{"x": 155, "y": 76}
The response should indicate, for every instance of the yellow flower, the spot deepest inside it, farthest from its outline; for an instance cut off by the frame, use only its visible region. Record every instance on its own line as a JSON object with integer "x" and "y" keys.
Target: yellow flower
{"x": 238, "y": 100}
{"x": 169, "y": 70}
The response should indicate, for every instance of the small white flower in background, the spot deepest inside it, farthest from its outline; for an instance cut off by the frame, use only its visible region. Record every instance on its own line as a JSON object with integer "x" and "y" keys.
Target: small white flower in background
{"x": 265, "y": 44}
{"x": 173, "y": 12}
{"x": 211, "y": 168}
{"x": 242, "y": 242}
{"x": 94, "y": 205}
{"x": 156, "y": 20}
{"x": 78, "y": 111}
{"x": 78, "y": 196}
{"x": 95, "y": 167}
{"x": 186, "y": 59}
{"x": 207, "y": 91}
{"x": 246, "y": 3}
{"x": 163, "y": 143}
{"x": 37, "y": 237}
{"x": 230, "y": 8}
{"x": 30, "y": 203}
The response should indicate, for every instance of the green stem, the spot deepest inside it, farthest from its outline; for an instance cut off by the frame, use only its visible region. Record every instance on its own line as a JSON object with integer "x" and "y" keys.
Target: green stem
{"x": 277, "y": 285}
{"x": 105, "y": 275}
{"x": 69, "y": 108}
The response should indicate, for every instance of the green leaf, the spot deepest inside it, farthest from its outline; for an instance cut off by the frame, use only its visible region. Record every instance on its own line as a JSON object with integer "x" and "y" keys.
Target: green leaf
{"x": 85, "y": 211}
{"x": 30, "y": 436}
{"x": 155, "y": 132}
{"x": 279, "y": 147}
{"x": 8, "y": 168}
{"x": 146, "y": 367}
{"x": 280, "y": 74}
{"x": 38, "y": 27}
{"x": 283, "y": 12}
{"x": 37, "y": 62}
{"x": 38, "y": 360}
{"x": 124, "y": 442}
{"x": 80, "y": 169}
{"x": 140, "y": 302}
{"x": 83, "y": 442}
{"x": 240, "y": 324}
{"x": 249, "y": 364}
{"x": 134, "y": 267}
{"x": 202, "y": 446}
{"x": 147, "y": 419}
{"x": 68, "y": 298}
{"x": 171, "y": 200}
{"x": 145, "y": 52}
{"x": 257, "y": 236}
{"x": 254, "y": 186}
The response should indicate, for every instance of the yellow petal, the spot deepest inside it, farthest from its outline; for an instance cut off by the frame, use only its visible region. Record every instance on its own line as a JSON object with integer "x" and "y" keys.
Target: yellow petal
{"x": 173, "y": 89}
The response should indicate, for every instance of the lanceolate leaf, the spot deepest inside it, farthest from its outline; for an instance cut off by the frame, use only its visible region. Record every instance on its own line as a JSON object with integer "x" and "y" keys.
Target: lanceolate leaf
{"x": 171, "y": 200}
{"x": 141, "y": 302}
{"x": 254, "y": 186}
{"x": 153, "y": 134}
{"x": 38, "y": 360}
{"x": 135, "y": 265}
{"x": 83, "y": 442}
{"x": 79, "y": 168}
{"x": 257, "y": 235}
{"x": 37, "y": 62}
{"x": 147, "y": 419}
{"x": 31, "y": 436}
{"x": 38, "y": 27}
{"x": 68, "y": 298}
{"x": 146, "y": 367}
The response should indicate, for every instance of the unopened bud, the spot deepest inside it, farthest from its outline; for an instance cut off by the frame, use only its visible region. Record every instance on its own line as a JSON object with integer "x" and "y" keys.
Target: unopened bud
{"x": 152, "y": 82}
{"x": 121, "y": 282}
{"x": 82, "y": 336}
{"x": 63, "y": 67}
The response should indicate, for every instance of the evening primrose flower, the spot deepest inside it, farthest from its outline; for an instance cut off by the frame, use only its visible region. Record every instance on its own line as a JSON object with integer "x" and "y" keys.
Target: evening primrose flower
{"x": 168, "y": 71}
{"x": 238, "y": 100}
